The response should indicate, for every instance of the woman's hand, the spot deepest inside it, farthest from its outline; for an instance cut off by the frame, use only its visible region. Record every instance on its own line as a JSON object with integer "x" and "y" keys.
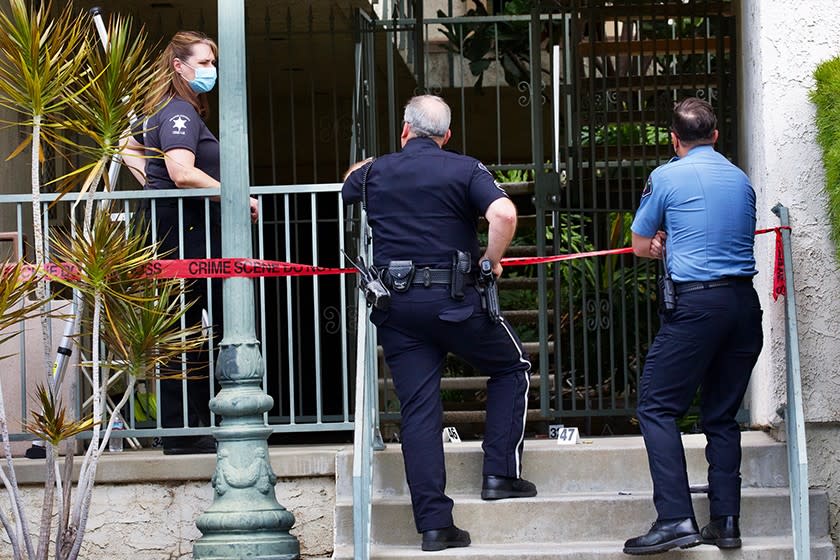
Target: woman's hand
{"x": 255, "y": 210}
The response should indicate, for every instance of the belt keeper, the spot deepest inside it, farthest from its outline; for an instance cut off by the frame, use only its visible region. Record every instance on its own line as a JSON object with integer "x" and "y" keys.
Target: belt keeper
{"x": 427, "y": 277}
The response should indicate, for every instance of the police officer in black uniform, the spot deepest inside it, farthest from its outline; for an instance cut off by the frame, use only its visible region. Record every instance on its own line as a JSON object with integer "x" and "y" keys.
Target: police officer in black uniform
{"x": 423, "y": 205}
{"x": 177, "y": 130}
{"x": 698, "y": 211}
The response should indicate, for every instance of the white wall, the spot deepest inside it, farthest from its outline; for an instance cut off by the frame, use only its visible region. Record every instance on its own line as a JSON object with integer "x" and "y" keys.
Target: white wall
{"x": 780, "y": 47}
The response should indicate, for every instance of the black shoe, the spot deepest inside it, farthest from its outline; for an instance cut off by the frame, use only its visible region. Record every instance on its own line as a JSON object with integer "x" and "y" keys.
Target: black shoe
{"x": 36, "y": 452}
{"x": 501, "y": 487}
{"x": 188, "y": 445}
{"x": 440, "y": 539}
{"x": 665, "y": 535}
{"x": 722, "y": 532}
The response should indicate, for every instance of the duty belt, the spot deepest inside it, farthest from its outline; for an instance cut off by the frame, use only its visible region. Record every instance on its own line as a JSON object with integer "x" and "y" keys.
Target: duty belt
{"x": 430, "y": 276}
{"x": 683, "y": 287}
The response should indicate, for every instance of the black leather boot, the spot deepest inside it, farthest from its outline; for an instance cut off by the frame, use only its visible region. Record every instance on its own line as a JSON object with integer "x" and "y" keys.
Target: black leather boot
{"x": 722, "y": 532}
{"x": 440, "y": 539}
{"x": 665, "y": 535}
{"x": 501, "y": 487}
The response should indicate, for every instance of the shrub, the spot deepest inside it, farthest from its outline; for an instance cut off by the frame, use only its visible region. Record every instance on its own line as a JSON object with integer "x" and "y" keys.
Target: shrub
{"x": 826, "y": 96}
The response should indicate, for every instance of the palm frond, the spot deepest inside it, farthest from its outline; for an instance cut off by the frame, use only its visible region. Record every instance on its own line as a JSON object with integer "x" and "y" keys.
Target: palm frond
{"x": 118, "y": 82}
{"x": 41, "y": 58}
{"x": 52, "y": 423}
{"x": 15, "y": 285}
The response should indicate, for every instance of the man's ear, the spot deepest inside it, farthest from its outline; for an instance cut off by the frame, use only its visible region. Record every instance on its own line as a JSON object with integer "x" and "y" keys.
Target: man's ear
{"x": 446, "y": 137}
{"x": 406, "y": 131}
{"x": 715, "y": 136}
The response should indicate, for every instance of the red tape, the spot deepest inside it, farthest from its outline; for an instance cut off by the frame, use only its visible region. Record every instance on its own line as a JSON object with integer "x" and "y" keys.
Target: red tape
{"x": 230, "y": 268}
{"x": 259, "y": 268}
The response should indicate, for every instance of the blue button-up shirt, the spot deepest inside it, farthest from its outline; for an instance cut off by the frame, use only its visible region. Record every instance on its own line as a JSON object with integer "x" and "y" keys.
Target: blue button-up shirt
{"x": 706, "y": 206}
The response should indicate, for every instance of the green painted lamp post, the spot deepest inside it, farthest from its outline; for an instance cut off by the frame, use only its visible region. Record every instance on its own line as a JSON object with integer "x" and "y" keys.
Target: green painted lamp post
{"x": 245, "y": 519}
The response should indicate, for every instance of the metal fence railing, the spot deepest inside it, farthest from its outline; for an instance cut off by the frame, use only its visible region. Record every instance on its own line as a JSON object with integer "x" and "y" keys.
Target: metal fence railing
{"x": 302, "y": 321}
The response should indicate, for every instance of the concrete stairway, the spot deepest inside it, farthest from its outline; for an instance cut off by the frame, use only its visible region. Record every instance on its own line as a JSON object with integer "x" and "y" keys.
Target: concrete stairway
{"x": 592, "y": 496}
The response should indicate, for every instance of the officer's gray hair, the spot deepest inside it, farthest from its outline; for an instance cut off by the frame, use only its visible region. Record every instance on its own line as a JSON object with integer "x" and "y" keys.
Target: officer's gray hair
{"x": 427, "y": 116}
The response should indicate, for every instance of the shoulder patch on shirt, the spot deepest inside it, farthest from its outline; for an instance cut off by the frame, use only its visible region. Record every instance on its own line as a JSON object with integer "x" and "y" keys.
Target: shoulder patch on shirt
{"x": 495, "y": 182}
{"x": 179, "y": 124}
{"x": 484, "y": 168}
{"x": 648, "y": 187}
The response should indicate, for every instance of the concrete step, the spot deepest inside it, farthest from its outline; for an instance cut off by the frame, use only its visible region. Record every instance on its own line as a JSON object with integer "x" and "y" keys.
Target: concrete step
{"x": 754, "y": 548}
{"x": 603, "y": 464}
{"x": 612, "y": 516}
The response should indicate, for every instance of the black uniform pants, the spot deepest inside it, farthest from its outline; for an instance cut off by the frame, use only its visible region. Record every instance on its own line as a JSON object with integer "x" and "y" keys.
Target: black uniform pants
{"x": 711, "y": 342}
{"x": 195, "y": 246}
{"x": 416, "y": 334}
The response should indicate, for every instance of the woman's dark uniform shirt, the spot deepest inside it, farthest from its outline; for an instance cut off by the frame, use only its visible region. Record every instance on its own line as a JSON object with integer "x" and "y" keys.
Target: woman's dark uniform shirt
{"x": 177, "y": 125}
{"x": 423, "y": 203}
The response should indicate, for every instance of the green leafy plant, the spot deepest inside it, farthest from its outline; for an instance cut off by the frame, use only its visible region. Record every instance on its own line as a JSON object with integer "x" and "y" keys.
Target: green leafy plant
{"x": 826, "y": 96}
{"x": 483, "y": 43}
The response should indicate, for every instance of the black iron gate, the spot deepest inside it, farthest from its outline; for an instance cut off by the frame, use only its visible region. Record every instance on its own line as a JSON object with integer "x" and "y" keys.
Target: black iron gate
{"x": 569, "y": 103}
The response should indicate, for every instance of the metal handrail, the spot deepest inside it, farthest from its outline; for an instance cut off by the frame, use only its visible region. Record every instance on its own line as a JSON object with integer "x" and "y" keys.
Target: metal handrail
{"x": 794, "y": 416}
{"x": 366, "y": 436}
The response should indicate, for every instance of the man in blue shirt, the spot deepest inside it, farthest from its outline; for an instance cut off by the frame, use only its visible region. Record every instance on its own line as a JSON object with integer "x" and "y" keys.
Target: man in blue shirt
{"x": 698, "y": 213}
{"x": 423, "y": 205}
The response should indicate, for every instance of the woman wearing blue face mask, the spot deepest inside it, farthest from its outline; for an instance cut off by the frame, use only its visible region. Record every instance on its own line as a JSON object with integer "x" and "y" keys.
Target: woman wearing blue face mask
{"x": 176, "y": 129}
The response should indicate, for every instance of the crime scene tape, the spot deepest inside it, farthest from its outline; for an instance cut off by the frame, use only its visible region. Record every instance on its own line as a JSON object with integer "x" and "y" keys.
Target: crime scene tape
{"x": 260, "y": 268}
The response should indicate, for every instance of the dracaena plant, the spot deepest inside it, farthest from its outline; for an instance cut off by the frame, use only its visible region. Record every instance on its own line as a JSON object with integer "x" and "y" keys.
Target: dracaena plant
{"x": 41, "y": 61}
{"x": 60, "y": 81}
{"x": 136, "y": 316}
{"x": 119, "y": 76}
{"x": 14, "y": 309}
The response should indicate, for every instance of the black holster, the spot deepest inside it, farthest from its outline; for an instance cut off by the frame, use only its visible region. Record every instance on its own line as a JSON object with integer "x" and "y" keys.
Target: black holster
{"x": 667, "y": 294}
{"x": 461, "y": 266}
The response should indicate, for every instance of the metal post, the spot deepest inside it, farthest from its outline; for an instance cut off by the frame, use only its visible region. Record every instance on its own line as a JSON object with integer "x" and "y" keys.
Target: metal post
{"x": 794, "y": 415}
{"x": 245, "y": 520}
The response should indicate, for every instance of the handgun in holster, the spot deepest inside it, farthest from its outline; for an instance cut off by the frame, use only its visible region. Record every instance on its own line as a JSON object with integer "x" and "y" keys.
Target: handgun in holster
{"x": 490, "y": 291}
{"x": 461, "y": 266}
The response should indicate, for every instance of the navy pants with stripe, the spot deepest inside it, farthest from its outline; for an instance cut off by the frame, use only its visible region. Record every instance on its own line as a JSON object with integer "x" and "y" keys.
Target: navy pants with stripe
{"x": 710, "y": 342}
{"x": 416, "y": 333}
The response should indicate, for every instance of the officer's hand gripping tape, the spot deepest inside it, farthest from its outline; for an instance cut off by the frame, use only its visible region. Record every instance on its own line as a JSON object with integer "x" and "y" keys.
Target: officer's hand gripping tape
{"x": 490, "y": 291}
{"x": 376, "y": 294}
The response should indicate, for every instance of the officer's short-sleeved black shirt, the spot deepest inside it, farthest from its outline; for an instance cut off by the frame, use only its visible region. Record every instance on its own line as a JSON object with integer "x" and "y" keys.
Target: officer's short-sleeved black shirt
{"x": 177, "y": 125}
{"x": 423, "y": 203}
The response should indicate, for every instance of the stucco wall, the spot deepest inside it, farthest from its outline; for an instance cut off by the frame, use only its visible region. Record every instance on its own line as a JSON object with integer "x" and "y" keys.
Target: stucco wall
{"x": 780, "y": 47}
{"x": 160, "y": 524}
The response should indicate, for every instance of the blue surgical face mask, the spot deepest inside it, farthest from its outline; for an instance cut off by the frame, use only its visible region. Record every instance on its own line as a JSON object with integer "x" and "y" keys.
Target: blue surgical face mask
{"x": 205, "y": 78}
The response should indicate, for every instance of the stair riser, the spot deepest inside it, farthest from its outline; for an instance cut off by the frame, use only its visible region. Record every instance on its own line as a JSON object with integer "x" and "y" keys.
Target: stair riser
{"x": 557, "y": 470}
{"x": 579, "y": 518}
{"x": 819, "y": 551}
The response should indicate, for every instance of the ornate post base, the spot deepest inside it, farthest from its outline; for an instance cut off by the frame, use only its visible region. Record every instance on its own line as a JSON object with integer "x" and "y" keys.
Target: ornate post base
{"x": 245, "y": 519}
